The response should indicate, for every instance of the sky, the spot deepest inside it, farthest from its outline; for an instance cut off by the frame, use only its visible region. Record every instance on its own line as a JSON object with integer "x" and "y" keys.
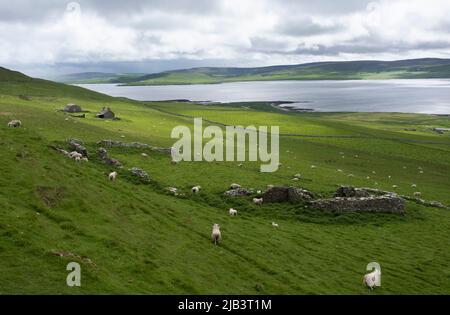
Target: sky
{"x": 50, "y": 37}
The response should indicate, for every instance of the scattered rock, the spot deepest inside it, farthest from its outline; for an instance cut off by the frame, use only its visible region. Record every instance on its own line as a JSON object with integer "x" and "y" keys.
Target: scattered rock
{"x": 77, "y": 145}
{"x": 137, "y": 145}
{"x": 103, "y": 154}
{"x": 141, "y": 174}
{"x": 238, "y": 192}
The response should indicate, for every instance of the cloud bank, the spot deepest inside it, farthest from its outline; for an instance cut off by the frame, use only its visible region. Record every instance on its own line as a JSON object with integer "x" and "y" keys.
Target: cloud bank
{"x": 161, "y": 34}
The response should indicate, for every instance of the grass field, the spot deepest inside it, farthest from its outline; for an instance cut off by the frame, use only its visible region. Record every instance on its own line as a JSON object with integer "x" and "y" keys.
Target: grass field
{"x": 136, "y": 239}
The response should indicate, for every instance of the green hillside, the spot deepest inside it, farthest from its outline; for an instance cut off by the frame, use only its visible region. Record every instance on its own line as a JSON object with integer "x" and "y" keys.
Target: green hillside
{"x": 347, "y": 70}
{"x": 135, "y": 238}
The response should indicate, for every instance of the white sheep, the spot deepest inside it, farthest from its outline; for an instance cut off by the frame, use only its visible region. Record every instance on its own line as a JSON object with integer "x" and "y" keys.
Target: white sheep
{"x": 372, "y": 279}
{"x": 77, "y": 159}
{"x": 144, "y": 154}
{"x": 112, "y": 176}
{"x": 216, "y": 236}
{"x": 275, "y": 225}
{"x": 85, "y": 159}
{"x": 257, "y": 201}
{"x": 196, "y": 189}
{"x": 75, "y": 154}
{"x": 418, "y": 194}
{"x": 235, "y": 186}
{"x": 15, "y": 123}
{"x": 232, "y": 212}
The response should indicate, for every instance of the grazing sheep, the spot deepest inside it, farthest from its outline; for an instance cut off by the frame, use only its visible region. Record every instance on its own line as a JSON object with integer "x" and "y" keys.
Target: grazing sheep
{"x": 232, "y": 212}
{"x": 258, "y": 192}
{"x": 196, "y": 189}
{"x": 275, "y": 225}
{"x": 372, "y": 279}
{"x": 257, "y": 201}
{"x": 350, "y": 175}
{"x": 216, "y": 236}
{"x": 85, "y": 159}
{"x": 77, "y": 159}
{"x": 313, "y": 166}
{"x": 75, "y": 154}
{"x": 413, "y": 185}
{"x": 112, "y": 176}
{"x": 394, "y": 186}
{"x": 15, "y": 123}
{"x": 235, "y": 186}
{"x": 144, "y": 154}
{"x": 339, "y": 170}
{"x": 418, "y": 194}
{"x": 298, "y": 175}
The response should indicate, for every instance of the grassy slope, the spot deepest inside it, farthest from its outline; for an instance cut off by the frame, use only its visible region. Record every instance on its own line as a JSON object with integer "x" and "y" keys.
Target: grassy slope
{"x": 144, "y": 241}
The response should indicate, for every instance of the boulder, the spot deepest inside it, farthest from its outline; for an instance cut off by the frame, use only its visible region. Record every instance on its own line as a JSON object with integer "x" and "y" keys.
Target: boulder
{"x": 72, "y": 108}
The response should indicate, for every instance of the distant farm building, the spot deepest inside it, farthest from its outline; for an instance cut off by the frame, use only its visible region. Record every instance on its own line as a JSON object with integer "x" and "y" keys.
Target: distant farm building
{"x": 72, "y": 108}
{"x": 106, "y": 113}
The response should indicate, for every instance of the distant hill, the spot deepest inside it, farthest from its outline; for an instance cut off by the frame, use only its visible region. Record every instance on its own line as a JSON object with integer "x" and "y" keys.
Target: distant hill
{"x": 98, "y": 77}
{"x": 336, "y": 70}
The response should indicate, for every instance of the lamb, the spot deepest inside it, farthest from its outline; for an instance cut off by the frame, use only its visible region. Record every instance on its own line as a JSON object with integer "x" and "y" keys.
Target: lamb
{"x": 112, "y": 176}
{"x": 232, "y": 212}
{"x": 257, "y": 201}
{"x": 372, "y": 279}
{"x": 216, "y": 236}
{"x": 235, "y": 186}
{"x": 15, "y": 123}
{"x": 196, "y": 189}
{"x": 418, "y": 194}
{"x": 275, "y": 225}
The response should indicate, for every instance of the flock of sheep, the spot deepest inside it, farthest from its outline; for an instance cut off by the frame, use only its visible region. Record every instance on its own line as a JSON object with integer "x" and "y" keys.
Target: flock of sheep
{"x": 370, "y": 279}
